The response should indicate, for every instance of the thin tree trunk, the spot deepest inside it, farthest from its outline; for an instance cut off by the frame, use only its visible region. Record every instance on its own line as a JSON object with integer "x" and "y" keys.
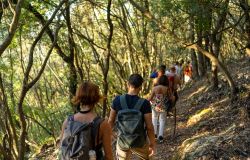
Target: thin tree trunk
{"x": 106, "y": 66}
{"x": 192, "y": 52}
{"x": 207, "y": 47}
{"x": 201, "y": 66}
{"x": 12, "y": 132}
{"x": 27, "y": 85}
{"x": 220, "y": 65}
{"x": 72, "y": 75}
{"x": 216, "y": 39}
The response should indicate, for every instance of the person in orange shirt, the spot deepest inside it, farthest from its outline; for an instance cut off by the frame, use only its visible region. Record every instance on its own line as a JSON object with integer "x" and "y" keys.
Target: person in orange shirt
{"x": 188, "y": 72}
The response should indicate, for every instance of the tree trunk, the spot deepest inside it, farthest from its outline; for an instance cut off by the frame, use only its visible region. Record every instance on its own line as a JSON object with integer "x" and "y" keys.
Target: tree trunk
{"x": 216, "y": 41}
{"x": 193, "y": 54}
{"x": 207, "y": 48}
{"x": 73, "y": 72}
{"x": 72, "y": 77}
{"x": 106, "y": 66}
{"x": 220, "y": 65}
{"x": 27, "y": 85}
{"x": 12, "y": 135}
{"x": 214, "y": 66}
{"x": 246, "y": 8}
{"x": 201, "y": 66}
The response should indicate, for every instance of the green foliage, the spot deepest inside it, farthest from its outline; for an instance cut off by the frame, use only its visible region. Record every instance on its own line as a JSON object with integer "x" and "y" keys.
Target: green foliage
{"x": 138, "y": 45}
{"x": 3, "y": 66}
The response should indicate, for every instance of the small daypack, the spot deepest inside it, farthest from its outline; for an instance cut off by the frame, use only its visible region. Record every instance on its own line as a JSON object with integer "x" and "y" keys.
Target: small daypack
{"x": 167, "y": 103}
{"x": 171, "y": 79}
{"x": 79, "y": 139}
{"x": 130, "y": 125}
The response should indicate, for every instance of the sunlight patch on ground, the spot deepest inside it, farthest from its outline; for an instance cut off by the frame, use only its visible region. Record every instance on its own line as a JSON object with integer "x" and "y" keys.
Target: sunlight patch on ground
{"x": 218, "y": 103}
{"x": 198, "y": 91}
{"x": 194, "y": 147}
{"x": 181, "y": 125}
{"x": 247, "y": 86}
{"x": 199, "y": 116}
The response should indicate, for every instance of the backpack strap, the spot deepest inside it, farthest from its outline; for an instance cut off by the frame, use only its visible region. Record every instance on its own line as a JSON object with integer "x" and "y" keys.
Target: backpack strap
{"x": 123, "y": 101}
{"x": 139, "y": 104}
{"x": 70, "y": 118}
{"x": 124, "y": 105}
{"x": 95, "y": 130}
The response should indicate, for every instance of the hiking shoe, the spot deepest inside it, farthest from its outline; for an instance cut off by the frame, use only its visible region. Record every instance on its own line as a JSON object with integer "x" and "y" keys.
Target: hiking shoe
{"x": 170, "y": 114}
{"x": 155, "y": 136}
{"x": 160, "y": 139}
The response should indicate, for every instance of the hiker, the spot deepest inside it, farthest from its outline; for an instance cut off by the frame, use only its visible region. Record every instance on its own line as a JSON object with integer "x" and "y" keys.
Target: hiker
{"x": 181, "y": 73}
{"x": 134, "y": 122}
{"x": 177, "y": 68}
{"x": 174, "y": 84}
{"x": 85, "y": 133}
{"x": 154, "y": 74}
{"x": 188, "y": 72}
{"x": 160, "y": 72}
{"x": 160, "y": 97}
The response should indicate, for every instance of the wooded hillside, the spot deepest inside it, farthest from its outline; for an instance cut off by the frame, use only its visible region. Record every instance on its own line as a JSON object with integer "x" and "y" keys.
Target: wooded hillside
{"x": 48, "y": 47}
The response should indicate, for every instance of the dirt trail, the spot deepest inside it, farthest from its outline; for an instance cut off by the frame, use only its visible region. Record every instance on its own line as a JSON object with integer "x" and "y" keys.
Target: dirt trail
{"x": 207, "y": 120}
{"x": 171, "y": 142}
{"x": 204, "y": 111}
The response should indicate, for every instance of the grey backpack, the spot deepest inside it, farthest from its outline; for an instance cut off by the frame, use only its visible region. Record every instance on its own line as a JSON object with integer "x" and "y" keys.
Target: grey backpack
{"x": 79, "y": 138}
{"x": 130, "y": 125}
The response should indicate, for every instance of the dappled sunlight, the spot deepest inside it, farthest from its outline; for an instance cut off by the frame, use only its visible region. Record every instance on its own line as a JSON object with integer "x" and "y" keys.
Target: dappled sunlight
{"x": 181, "y": 125}
{"x": 204, "y": 113}
{"x": 219, "y": 102}
{"x": 199, "y": 116}
{"x": 198, "y": 144}
{"x": 189, "y": 143}
{"x": 198, "y": 91}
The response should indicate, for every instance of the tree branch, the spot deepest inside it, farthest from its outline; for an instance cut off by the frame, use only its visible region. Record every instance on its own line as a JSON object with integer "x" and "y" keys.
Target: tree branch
{"x": 13, "y": 27}
{"x": 39, "y": 36}
{"x": 39, "y": 16}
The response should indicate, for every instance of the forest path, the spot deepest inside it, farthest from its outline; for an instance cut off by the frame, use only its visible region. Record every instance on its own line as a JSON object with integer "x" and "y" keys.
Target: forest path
{"x": 166, "y": 149}
{"x": 204, "y": 112}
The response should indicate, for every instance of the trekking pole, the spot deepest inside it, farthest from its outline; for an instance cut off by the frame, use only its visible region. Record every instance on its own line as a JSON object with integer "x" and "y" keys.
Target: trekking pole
{"x": 174, "y": 121}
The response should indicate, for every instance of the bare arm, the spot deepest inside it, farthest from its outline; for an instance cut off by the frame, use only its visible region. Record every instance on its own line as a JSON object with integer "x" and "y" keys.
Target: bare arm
{"x": 112, "y": 117}
{"x": 150, "y": 131}
{"x": 177, "y": 82}
{"x": 106, "y": 139}
{"x": 62, "y": 130}
{"x": 151, "y": 95}
{"x": 155, "y": 81}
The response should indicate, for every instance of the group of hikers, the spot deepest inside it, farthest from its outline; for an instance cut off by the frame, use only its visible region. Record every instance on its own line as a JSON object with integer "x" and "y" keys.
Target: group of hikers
{"x": 138, "y": 122}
